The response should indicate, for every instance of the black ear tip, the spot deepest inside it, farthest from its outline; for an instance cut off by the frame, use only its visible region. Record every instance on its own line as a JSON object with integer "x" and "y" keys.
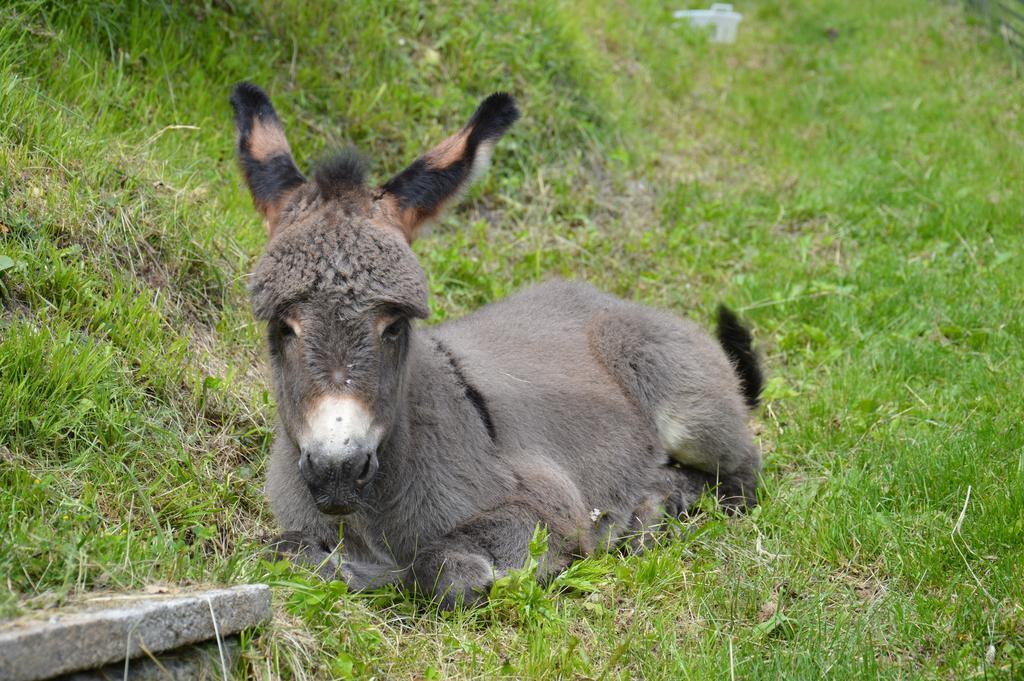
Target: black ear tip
{"x": 249, "y": 102}
{"x": 247, "y": 97}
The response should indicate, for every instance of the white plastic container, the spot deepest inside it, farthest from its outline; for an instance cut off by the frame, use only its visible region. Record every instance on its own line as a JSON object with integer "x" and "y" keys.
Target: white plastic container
{"x": 719, "y": 16}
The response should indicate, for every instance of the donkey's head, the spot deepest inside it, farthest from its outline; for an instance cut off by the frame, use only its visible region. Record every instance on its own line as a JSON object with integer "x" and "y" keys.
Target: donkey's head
{"x": 339, "y": 285}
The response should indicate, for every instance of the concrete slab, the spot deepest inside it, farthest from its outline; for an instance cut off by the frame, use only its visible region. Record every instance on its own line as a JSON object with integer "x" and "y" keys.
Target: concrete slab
{"x": 107, "y": 629}
{"x": 200, "y": 662}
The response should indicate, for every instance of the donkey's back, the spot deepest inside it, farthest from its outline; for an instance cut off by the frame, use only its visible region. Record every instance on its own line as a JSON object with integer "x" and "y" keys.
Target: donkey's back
{"x": 609, "y": 390}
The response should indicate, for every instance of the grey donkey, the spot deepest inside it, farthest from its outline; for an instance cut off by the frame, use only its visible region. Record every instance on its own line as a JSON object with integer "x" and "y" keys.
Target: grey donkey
{"x": 427, "y": 456}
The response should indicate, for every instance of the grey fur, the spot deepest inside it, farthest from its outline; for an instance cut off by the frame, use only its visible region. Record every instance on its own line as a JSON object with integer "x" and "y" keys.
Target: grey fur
{"x": 559, "y": 405}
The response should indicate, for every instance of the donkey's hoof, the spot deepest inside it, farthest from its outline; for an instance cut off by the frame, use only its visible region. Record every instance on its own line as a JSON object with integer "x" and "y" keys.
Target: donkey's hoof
{"x": 306, "y": 552}
{"x": 454, "y": 579}
{"x": 738, "y": 493}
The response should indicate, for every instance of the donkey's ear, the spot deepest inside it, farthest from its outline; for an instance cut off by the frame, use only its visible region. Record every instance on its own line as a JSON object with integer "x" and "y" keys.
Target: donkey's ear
{"x": 263, "y": 152}
{"x": 440, "y": 176}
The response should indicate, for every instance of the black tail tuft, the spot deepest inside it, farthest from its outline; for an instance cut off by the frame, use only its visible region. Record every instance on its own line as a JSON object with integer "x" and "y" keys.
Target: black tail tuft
{"x": 739, "y": 347}
{"x": 493, "y": 118}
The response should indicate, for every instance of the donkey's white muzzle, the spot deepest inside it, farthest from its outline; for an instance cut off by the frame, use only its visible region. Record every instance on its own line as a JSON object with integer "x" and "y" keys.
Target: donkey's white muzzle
{"x": 337, "y": 425}
{"x": 338, "y": 452}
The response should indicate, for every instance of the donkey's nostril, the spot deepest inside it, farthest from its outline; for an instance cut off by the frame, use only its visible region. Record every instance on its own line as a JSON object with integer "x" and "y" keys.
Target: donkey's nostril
{"x": 368, "y": 471}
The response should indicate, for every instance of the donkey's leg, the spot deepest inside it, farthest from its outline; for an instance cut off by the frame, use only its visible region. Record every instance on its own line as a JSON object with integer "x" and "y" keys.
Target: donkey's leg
{"x": 329, "y": 564}
{"x": 687, "y": 487}
{"x": 674, "y": 494}
{"x": 685, "y": 386}
{"x": 459, "y": 568}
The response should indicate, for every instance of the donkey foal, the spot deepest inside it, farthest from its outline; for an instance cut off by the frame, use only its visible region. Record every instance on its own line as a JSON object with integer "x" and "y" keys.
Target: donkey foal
{"x": 436, "y": 451}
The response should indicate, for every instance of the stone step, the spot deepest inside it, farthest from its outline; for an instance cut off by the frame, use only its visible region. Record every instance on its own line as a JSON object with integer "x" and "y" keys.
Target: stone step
{"x": 107, "y": 629}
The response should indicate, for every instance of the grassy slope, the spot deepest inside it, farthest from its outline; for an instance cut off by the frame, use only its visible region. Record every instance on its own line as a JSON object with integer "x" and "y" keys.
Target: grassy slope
{"x": 848, "y": 174}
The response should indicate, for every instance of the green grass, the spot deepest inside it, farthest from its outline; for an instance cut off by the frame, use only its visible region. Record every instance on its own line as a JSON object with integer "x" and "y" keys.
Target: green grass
{"x": 848, "y": 175}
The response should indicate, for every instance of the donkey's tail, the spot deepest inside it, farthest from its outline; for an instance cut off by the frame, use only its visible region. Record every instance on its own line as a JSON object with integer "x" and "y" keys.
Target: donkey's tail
{"x": 739, "y": 347}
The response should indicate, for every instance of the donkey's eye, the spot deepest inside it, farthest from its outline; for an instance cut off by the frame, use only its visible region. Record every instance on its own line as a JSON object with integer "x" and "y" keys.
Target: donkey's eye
{"x": 392, "y": 331}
